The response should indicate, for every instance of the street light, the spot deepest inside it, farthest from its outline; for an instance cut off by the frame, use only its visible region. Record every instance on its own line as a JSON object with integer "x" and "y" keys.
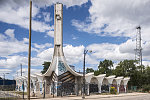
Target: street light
{"x": 85, "y": 52}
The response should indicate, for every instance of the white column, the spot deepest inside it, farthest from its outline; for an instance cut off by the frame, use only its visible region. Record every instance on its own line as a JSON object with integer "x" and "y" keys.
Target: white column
{"x": 125, "y": 87}
{"x": 88, "y": 92}
{"x": 118, "y": 88}
{"x": 56, "y": 88}
{"x": 109, "y": 87}
{"x": 35, "y": 87}
{"x": 99, "y": 88}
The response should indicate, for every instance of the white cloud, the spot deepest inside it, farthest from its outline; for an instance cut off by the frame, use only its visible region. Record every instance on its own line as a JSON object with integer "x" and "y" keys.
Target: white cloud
{"x": 10, "y": 33}
{"x": 116, "y": 18}
{"x": 14, "y": 52}
{"x": 127, "y": 47}
{"x": 17, "y": 12}
{"x": 73, "y": 54}
{"x": 110, "y": 51}
{"x": 50, "y": 33}
{"x": 119, "y": 52}
{"x": 25, "y": 72}
{"x": 42, "y": 46}
{"x": 13, "y": 61}
{"x": 67, "y": 3}
{"x": 47, "y": 17}
{"x": 10, "y": 45}
{"x": 5, "y": 71}
{"x": 74, "y": 37}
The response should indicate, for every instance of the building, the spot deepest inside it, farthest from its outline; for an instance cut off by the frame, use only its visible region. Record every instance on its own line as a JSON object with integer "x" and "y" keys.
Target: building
{"x": 60, "y": 79}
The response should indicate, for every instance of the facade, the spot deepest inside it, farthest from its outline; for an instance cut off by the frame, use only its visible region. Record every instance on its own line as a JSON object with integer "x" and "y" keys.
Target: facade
{"x": 60, "y": 78}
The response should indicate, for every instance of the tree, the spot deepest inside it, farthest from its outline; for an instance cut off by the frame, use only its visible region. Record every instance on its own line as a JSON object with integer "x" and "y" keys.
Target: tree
{"x": 97, "y": 72}
{"x": 45, "y": 66}
{"x": 88, "y": 70}
{"x": 128, "y": 68}
{"x": 105, "y": 67}
{"x": 125, "y": 68}
{"x": 147, "y": 74}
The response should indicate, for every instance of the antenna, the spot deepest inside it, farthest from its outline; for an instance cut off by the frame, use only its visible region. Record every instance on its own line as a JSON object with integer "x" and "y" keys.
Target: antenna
{"x": 138, "y": 50}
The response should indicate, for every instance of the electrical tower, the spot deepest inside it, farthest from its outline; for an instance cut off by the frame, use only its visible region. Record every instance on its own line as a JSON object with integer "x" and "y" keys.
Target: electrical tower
{"x": 138, "y": 50}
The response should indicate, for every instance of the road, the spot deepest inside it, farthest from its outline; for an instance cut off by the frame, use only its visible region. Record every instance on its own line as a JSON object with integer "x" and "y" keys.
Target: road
{"x": 137, "y": 97}
{"x": 128, "y": 96}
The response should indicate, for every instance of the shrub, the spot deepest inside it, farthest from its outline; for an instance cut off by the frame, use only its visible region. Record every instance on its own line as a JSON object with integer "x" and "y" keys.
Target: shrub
{"x": 146, "y": 88}
{"x": 113, "y": 90}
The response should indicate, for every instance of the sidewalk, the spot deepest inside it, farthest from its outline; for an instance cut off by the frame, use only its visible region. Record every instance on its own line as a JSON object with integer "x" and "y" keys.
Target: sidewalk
{"x": 92, "y": 97}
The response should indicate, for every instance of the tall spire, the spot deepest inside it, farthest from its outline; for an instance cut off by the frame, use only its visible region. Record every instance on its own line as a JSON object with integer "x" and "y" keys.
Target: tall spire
{"x": 58, "y": 30}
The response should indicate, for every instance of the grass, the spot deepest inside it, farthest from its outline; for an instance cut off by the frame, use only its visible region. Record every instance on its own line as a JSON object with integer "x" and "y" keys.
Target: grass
{"x": 10, "y": 98}
{"x": 20, "y": 93}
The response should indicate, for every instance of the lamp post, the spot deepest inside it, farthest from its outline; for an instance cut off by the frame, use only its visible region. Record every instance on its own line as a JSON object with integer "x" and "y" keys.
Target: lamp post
{"x": 85, "y": 52}
{"x": 23, "y": 80}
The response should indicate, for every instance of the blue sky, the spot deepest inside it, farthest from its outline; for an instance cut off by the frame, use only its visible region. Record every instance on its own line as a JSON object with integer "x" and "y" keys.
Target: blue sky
{"x": 107, "y": 27}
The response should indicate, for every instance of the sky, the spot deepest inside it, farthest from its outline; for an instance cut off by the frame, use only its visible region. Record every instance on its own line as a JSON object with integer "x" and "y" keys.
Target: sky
{"x": 107, "y": 27}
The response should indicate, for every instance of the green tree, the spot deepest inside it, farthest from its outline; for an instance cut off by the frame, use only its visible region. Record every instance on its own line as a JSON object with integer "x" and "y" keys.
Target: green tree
{"x": 125, "y": 68}
{"x": 105, "y": 67}
{"x": 147, "y": 74}
{"x": 88, "y": 70}
{"x": 97, "y": 72}
{"x": 45, "y": 66}
{"x": 128, "y": 68}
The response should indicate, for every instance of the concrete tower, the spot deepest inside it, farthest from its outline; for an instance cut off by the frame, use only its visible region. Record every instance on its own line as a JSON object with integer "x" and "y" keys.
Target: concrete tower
{"x": 59, "y": 71}
{"x": 58, "y": 30}
{"x": 59, "y": 64}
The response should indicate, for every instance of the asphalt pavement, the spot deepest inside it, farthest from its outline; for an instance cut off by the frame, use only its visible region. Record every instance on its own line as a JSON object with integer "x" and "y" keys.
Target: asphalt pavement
{"x": 127, "y": 96}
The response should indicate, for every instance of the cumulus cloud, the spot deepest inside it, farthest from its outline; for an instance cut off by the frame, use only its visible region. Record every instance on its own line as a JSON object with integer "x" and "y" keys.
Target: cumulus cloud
{"x": 50, "y": 33}
{"x": 5, "y": 71}
{"x": 25, "y": 72}
{"x": 67, "y": 3}
{"x": 111, "y": 51}
{"x": 10, "y": 44}
{"x": 13, "y": 61}
{"x": 13, "y": 52}
{"x": 116, "y": 18}
{"x": 10, "y": 33}
{"x": 119, "y": 52}
{"x": 73, "y": 54}
{"x": 19, "y": 10}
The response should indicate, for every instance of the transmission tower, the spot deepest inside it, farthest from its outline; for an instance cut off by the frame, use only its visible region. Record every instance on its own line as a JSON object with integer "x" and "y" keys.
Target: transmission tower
{"x": 138, "y": 50}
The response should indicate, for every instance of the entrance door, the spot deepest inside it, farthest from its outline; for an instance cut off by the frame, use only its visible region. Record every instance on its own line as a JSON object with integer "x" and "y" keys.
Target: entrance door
{"x": 105, "y": 88}
{"x": 66, "y": 84}
{"x": 65, "y": 89}
{"x": 93, "y": 88}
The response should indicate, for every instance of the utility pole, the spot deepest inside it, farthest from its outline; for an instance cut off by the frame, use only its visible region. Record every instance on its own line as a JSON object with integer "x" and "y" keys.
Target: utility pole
{"x": 21, "y": 69}
{"x": 29, "y": 53}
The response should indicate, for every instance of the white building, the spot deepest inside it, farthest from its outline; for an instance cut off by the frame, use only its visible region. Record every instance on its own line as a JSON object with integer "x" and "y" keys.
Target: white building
{"x": 60, "y": 78}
